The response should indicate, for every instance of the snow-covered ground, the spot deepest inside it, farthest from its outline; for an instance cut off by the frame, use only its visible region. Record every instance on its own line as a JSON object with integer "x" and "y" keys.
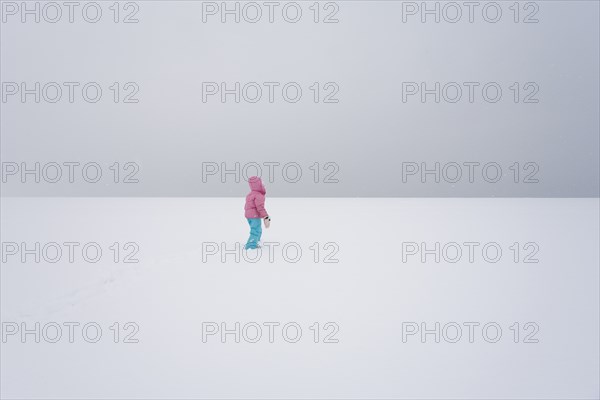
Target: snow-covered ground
{"x": 369, "y": 305}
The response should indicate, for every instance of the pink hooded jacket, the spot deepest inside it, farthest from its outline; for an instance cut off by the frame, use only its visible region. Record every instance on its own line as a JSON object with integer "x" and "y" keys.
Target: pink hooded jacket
{"x": 255, "y": 200}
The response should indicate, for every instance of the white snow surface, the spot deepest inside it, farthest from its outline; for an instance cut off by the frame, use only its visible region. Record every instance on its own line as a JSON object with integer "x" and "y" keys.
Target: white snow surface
{"x": 370, "y": 294}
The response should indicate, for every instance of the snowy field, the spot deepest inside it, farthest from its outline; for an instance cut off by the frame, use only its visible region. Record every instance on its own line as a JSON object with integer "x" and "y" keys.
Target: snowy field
{"x": 338, "y": 304}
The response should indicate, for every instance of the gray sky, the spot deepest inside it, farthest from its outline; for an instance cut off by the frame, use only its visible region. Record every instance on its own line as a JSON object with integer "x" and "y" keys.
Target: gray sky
{"x": 369, "y": 130}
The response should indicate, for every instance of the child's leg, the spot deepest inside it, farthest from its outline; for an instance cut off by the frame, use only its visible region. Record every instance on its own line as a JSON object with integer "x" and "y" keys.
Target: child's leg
{"x": 255, "y": 233}
{"x": 259, "y": 228}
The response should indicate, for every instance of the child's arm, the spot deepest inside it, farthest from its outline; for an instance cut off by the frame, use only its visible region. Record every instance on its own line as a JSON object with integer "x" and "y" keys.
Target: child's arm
{"x": 259, "y": 202}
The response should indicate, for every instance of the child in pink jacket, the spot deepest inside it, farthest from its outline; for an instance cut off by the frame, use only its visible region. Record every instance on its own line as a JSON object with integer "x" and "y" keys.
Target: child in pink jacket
{"x": 255, "y": 211}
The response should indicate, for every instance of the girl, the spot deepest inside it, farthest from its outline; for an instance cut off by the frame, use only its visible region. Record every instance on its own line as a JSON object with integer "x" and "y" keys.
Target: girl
{"x": 255, "y": 211}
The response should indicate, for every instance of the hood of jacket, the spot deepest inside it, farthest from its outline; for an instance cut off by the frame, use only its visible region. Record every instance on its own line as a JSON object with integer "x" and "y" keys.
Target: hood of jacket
{"x": 256, "y": 185}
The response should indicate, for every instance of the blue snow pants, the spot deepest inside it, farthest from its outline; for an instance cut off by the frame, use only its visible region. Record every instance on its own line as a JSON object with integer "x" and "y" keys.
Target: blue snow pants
{"x": 255, "y": 232}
